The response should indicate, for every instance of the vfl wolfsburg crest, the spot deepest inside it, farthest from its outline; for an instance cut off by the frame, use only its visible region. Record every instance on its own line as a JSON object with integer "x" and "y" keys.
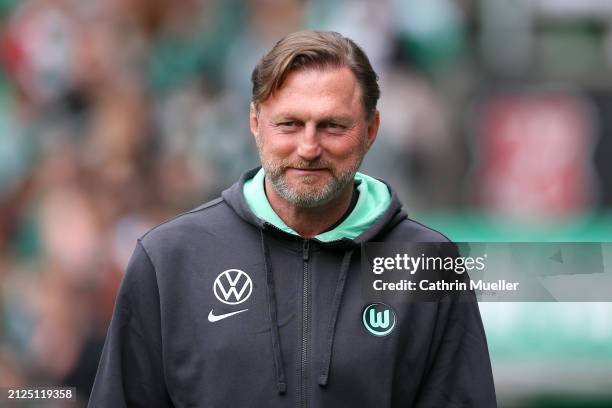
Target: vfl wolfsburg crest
{"x": 379, "y": 319}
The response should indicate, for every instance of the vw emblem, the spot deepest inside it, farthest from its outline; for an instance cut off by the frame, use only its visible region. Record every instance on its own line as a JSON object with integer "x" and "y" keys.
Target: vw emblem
{"x": 233, "y": 287}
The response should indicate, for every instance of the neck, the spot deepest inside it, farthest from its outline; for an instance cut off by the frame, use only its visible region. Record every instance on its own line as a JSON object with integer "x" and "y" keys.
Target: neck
{"x": 309, "y": 222}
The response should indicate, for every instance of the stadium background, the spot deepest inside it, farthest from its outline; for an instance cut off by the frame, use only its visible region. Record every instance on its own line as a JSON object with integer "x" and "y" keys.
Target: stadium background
{"x": 118, "y": 114}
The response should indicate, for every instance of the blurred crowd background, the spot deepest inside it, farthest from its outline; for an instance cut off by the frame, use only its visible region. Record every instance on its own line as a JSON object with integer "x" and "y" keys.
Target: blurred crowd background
{"x": 118, "y": 114}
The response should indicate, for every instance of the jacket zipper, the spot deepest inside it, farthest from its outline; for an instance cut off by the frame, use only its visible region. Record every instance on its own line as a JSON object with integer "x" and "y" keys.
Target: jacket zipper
{"x": 305, "y": 325}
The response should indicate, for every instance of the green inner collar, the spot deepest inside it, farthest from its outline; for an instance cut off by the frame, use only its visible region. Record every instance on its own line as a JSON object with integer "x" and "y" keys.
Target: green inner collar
{"x": 374, "y": 199}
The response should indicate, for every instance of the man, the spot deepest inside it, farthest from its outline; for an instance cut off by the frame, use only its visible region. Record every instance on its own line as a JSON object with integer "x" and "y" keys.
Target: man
{"x": 254, "y": 299}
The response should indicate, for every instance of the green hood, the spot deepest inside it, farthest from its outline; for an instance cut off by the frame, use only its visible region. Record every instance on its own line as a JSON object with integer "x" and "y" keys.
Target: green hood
{"x": 374, "y": 199}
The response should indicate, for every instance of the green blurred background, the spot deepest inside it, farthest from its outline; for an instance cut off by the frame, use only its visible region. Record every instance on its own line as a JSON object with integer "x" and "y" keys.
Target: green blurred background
{"x": 118, "y": 114}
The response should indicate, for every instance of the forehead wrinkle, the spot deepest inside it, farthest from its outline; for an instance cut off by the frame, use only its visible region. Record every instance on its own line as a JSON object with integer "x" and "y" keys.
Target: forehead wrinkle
{"x": 314, "y": 93}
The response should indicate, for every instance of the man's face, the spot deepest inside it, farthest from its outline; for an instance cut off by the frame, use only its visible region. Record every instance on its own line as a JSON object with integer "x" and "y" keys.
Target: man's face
{"x": 312, "y": 135}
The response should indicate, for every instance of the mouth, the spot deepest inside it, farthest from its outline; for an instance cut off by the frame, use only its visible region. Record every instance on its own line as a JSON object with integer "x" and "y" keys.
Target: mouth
{"x": 306, "y": 171}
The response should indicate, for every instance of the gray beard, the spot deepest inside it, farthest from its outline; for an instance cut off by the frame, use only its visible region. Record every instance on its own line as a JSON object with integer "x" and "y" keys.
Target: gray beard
{"x": 275, "y": 174}
{"x": 311, "y": 199}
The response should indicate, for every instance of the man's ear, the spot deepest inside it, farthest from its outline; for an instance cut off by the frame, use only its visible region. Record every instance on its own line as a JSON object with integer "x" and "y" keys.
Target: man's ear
{"x": 254, "y": 120}
{"x": 372, "y": 131}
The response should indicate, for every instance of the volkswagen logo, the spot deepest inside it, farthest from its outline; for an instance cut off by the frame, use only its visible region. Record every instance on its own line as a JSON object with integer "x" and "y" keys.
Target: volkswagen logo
{"x": 233, "y": 287}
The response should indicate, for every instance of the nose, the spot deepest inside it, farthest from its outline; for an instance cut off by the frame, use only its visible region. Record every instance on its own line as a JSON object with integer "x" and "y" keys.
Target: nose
{"x": 309, "y": 146}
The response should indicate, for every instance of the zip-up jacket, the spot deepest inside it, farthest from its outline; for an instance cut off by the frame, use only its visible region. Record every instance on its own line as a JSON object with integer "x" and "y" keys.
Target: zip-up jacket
{"x": 219, "y": 308}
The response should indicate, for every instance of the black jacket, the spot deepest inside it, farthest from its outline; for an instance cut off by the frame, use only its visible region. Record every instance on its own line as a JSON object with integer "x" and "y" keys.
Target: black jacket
{"x": 289, "y": 332}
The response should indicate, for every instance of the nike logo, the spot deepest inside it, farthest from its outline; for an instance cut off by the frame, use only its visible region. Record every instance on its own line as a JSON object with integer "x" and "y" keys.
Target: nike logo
{"x": 215, "y": 318}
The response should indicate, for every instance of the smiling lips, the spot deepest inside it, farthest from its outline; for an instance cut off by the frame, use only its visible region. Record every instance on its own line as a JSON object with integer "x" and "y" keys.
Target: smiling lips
{"x": 306, "y": 170}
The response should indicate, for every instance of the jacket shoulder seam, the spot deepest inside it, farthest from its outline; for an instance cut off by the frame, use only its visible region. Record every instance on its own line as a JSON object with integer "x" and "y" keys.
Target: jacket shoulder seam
{"x": 146, "y": 253}
{"x": 129, "y": 311}
{"x": 203, "y": 207}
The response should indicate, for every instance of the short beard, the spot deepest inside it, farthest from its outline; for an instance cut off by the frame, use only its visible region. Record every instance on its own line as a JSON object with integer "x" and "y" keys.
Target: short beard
{"x": 305, "y": 199}
{"x": 275, "y": 172}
